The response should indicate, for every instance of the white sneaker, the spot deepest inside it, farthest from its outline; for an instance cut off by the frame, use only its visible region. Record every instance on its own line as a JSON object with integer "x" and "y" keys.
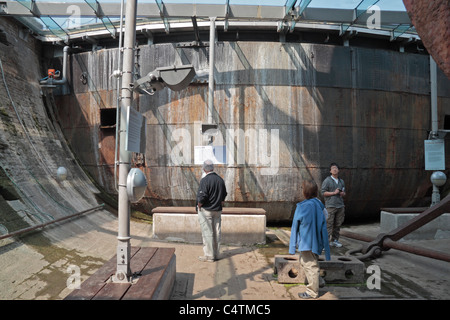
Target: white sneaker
{"x": 337, "y": 244}
{"x": 206, "y": 259}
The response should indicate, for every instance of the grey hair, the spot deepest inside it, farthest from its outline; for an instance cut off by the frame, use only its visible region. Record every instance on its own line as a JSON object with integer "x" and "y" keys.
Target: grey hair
{"x": 208, "y": 165}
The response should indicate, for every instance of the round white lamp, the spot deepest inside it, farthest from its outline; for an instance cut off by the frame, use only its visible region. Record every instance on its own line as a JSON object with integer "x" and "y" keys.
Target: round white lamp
{"x": 61, "y": 173}
{"x": 136, "y": 185}
{"x": 438, "y": 179}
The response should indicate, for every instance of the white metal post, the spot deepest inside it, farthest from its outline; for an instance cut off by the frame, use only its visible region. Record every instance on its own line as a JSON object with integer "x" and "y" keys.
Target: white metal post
{"x": 212, "y": 40}
{"x": 123, "y": 272}
{"x": 433, "y": 87}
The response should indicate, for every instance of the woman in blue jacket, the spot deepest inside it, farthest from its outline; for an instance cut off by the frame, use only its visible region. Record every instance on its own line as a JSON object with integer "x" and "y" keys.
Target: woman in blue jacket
{"x": 309, "y": 236}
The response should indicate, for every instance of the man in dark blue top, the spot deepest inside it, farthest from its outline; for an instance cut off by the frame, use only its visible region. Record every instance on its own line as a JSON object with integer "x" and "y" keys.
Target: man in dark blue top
{"x": 211, "y": 193}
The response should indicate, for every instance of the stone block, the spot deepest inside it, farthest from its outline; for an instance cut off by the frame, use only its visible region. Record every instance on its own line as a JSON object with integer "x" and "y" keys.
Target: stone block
{"x": 340, "y": 269}
{"x": 239, "y": 226}
{"x": 288, "y": 269}
{"x": 438, "y": 228}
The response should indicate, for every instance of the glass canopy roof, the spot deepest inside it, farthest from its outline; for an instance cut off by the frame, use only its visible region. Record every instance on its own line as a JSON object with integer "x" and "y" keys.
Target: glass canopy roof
{"x": 55, "y": 20}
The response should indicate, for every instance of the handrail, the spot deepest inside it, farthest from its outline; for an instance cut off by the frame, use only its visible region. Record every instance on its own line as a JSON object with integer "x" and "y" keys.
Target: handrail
{"x": 18, "y": 232}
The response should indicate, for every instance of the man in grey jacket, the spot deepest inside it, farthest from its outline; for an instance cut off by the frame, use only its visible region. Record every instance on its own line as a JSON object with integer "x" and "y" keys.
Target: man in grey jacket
{"x": 211, "y": 193}
{"x": 333, "y": 190}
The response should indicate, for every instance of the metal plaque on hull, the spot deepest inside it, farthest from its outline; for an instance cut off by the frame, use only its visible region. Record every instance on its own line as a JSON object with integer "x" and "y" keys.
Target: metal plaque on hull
{"x": 434, "y": 154}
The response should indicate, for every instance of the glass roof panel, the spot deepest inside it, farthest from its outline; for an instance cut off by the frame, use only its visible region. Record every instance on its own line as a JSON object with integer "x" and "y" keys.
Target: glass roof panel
{"x": 62, "y": 23}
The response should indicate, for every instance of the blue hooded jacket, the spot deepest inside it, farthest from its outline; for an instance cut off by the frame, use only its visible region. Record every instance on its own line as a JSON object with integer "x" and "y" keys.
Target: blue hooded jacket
{"x": 309, "y": 228}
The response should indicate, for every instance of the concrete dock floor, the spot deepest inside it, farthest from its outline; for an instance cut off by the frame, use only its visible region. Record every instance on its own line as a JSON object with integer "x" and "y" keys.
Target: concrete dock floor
{"x": 43, "y": 265}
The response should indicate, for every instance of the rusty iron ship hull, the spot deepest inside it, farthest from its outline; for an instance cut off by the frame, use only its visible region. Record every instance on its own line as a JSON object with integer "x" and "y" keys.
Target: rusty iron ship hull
{"x": 298, "y": 106}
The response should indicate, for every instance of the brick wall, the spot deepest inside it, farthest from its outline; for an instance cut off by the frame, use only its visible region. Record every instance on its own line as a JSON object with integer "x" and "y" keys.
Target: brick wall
{"x": 432, "y": 22}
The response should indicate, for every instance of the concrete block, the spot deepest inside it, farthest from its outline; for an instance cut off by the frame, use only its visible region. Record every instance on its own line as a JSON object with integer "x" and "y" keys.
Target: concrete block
{"x": 237, "y": 229}
{"x": 340, "y": 269}
{"x": 438, "y": 228}
{"x": 288, "y": 269}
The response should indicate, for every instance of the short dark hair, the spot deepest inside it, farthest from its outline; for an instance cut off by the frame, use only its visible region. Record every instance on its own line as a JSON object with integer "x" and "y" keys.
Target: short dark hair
{"x": 334, "y": 164}
{"x": 309, "y": 189}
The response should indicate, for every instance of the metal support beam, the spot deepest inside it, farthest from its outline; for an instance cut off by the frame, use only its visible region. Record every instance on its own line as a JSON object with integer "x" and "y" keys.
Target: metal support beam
{"x": 212, "y": 40}
{"x": 55, "y": 28}
{"x": 289, "y": 7}
{"x": 346, "y": 36}
{"x": 302, "y": 5}
{"x": 399, "y": 30}
{"x": 433, "y": 95}
{"x": 162, "y": 14}
{"x": 196, "y": 32}
{"x": 30, "y": 5}
{"x": 149, "y": 36}
{"x": 99, "y": 13}
{"x": 343, "y": 28}
{"x": 227, "y": 14}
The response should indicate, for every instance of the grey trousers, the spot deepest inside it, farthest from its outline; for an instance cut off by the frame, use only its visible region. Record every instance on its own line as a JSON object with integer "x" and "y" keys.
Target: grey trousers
{"x": 334, "y": 222}
{"x": 210, "y": 224}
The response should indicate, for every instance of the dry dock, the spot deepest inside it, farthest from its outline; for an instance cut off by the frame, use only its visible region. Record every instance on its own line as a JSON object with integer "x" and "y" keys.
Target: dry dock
{"x": 41, "y": 265}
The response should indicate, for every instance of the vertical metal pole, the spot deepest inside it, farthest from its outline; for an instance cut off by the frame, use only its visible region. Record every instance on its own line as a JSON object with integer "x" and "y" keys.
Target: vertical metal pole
{"x": 212, "y": 40}
{"x": 433, "y": 87}
{"x": 119, "y": 76}
{"x": 123, "y": 272}
{"x": 435, "y": 196}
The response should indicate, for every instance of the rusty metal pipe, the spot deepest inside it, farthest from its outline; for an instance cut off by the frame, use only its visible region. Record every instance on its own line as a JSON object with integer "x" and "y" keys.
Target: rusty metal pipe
{"x": 388, "y": 243}
{"x": 429, "y": 253}
{"x": 422, "y": 219}
{"x": 19, "y": 232}
{"x": 356, "y": 236}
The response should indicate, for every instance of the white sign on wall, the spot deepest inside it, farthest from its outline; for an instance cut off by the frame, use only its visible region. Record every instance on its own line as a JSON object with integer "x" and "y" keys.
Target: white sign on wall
{"x": 217, "y": 154}
{"x": 136, "y": 131}
{"x": 434, "y": 154}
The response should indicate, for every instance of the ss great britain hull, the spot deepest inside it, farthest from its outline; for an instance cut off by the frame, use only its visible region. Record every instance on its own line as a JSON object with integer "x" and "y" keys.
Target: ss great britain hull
{"x": 284, "y": 112}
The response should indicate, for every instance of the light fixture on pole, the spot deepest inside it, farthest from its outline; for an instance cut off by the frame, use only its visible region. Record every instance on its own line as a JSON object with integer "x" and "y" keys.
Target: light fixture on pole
{"x": 136, "y": 185}
{"x": 175, "y": 78}
{"x": 438, "y": 179}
